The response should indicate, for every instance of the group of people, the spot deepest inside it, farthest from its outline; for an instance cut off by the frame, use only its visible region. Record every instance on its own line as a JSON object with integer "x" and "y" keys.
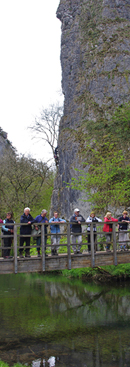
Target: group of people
{"x": 76, "y": 221}
{"x": 27, "y": 221}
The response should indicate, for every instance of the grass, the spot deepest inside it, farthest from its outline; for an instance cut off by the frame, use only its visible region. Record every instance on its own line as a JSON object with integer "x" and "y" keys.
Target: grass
{"x": 121, "y": 271}
{"x": 3, "y": 364}
{"x": 62, "y": 249}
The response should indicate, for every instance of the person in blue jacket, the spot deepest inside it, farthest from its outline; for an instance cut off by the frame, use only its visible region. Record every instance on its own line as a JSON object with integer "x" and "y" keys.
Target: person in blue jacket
{"x": 41, "y": 219}
{"x": 55, "y": 230}
{"x": 8, "y": 230}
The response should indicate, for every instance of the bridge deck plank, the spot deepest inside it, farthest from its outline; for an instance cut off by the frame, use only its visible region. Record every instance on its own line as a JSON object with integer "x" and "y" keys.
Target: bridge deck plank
{"x": 60, "y": 262}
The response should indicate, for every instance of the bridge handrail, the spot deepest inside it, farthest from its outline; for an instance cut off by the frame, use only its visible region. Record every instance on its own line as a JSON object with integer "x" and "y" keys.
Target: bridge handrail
{"x": 67, "y": 233}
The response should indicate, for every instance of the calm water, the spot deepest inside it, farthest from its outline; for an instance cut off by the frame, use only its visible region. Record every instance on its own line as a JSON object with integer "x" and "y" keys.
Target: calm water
{"x": 52, "y": 321}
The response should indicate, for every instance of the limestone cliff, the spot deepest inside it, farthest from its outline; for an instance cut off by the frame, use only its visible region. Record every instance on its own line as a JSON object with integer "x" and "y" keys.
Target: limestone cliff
{"x": 4, "y": 142}
{"x": 95, "y": 60}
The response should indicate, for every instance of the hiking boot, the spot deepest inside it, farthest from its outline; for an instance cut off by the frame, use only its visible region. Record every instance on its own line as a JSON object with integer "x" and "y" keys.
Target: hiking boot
{"x": 52, "y": 252}
{"x": 79, "y": 252}
{"x": 21, "y": 256}
{"x": 56, "y": 253}
{"x": 27, "y": 255}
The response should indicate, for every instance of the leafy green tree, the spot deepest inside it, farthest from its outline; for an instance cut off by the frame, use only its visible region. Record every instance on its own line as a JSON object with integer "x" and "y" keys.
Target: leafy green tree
{"x": 106, "y": 177}
{"x": 24, "y": 182}
{"x": 107, "y": 182}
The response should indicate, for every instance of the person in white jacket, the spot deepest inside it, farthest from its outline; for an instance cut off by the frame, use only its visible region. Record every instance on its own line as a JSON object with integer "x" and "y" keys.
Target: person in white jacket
{"x": 89, "y": 220}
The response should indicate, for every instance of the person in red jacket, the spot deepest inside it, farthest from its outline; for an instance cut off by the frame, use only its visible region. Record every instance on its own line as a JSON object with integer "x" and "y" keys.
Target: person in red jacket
{"x": 108, "y": 228}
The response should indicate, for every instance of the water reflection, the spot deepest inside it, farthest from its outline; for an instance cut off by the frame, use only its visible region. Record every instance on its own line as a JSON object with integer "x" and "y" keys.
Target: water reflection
{"x": 52, "y": 321}
{"x": 51, "y": 361}
{"x": 39, "y": 363}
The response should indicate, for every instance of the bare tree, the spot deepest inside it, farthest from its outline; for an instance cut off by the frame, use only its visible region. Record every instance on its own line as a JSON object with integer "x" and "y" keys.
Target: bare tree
{"x": 46, "y": 127}
{"x": 23, "y": 182}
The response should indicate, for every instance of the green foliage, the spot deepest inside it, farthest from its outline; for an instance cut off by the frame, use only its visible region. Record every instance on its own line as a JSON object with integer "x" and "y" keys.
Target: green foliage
{"x": 24, "y": 182}
{"x": 3, "y": 364}
{"x": 107, "y": 182}
{"x": 119, "y": 271}
{"x": 79, "y": 273}
{"x": 119, "y": 125}
{"x": 106, "y": 179}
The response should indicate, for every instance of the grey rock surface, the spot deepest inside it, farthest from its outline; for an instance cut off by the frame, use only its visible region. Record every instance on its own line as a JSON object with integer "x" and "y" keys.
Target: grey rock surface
{"x": 95, "y": 60}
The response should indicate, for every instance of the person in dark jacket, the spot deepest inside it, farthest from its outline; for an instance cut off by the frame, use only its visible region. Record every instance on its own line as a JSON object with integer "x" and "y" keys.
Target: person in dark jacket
{"x": 41, "y": 219}
{"x": 124, "y": 220}
{"x": 76, "y": 230}
{"x": 25, "y": 230}
{"x": 94, "y": 219}
{"x": 8, "y": 230}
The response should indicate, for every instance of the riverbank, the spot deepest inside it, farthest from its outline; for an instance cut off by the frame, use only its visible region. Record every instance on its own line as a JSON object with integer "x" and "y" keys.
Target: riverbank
{"x": 108, "y": 273}
{"x": 3, "y": 364}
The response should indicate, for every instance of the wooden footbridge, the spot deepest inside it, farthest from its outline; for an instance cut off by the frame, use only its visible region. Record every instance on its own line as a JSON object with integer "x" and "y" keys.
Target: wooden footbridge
{"x": 66, "y": 260}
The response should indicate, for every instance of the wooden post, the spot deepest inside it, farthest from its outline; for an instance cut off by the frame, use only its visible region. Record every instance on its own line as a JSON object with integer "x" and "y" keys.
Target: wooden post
{"x": 92, "y": 245}
{"x": 15, "y": 250}
{"x": 68, "y": 246}
{"x": 114, "y": 244}
{"x": 2, "y": 245}
{"x": 43, "y": 246}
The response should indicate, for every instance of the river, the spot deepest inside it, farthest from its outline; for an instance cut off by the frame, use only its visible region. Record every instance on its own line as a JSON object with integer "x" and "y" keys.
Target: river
{"x": 48, "y": 321}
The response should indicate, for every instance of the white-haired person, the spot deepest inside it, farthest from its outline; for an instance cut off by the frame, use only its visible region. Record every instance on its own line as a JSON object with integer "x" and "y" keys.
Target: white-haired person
{"x": 108, "y": 228}
{"x": 41, "y": 218}
{"x": 124, "y": 220}
{"x": 76, "y": 238}
{"x": 25, "y": 230}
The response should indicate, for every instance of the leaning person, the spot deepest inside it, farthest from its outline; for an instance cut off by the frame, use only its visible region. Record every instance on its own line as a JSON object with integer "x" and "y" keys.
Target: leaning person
{"x": 8, "y": 230}
{"x": 76, "y": 227}
{"x": 39, "y": 220}
{"x": 25, "y": 230}
{"x": 55, "y": 230}
{"x": 108, "y": 228}
{"x": 92, "y": 219}
{"x": 122, "y": 227}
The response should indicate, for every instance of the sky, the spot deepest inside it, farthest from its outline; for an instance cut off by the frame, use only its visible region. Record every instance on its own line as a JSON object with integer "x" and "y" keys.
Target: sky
{"x": 30, "y": 70}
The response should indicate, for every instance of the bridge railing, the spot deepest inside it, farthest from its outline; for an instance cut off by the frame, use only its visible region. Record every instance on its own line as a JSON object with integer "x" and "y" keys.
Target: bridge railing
{"x": 66, "y": 234}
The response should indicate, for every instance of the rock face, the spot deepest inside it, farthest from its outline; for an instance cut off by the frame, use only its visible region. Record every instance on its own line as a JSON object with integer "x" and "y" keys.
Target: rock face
{"x": 95, "y": 60}
{"x": 3, "y": 142}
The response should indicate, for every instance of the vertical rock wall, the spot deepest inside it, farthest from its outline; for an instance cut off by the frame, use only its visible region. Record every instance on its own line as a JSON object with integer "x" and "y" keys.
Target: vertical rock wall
{"x": 95, "y": 60}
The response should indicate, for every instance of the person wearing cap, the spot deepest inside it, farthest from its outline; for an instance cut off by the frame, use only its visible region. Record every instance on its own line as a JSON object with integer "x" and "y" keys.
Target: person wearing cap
{"x": 25, "y": 230}
{"x": 76, "y": 230}
{"x": 41, "y": 218}
{"x": 122, "y": 227}
{"x": 89, "y": 220}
